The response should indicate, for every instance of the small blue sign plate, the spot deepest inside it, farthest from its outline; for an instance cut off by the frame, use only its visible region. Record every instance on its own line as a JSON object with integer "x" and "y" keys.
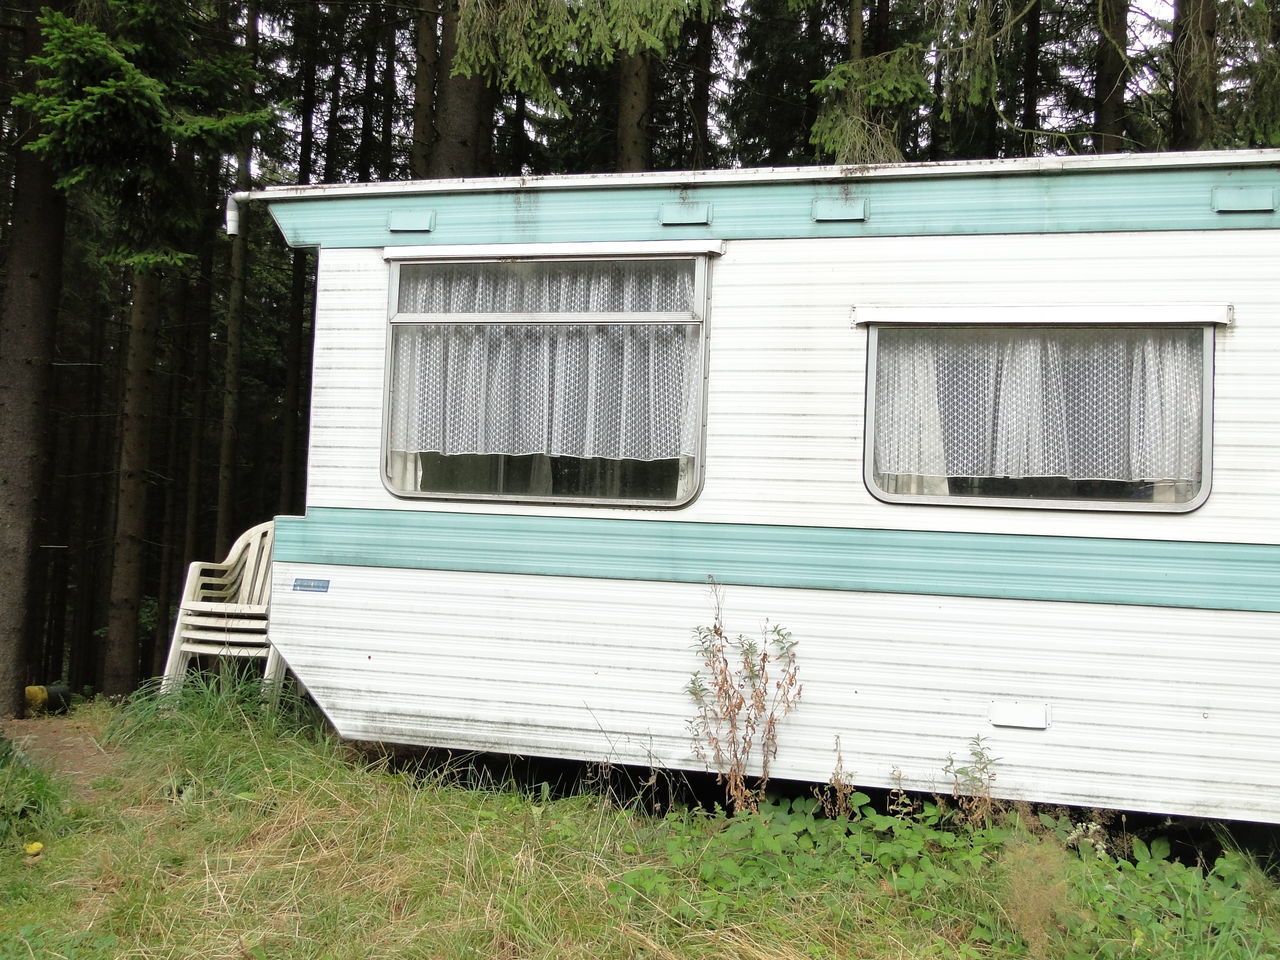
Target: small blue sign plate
{"x": 302, "y": 585}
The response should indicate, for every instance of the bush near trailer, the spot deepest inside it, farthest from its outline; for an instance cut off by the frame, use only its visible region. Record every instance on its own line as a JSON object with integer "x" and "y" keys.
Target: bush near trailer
{"x": 746, "y": 686}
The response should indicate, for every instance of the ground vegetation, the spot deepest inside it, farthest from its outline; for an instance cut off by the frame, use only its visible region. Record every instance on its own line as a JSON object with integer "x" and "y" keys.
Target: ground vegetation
{"x": 215, "y": 826}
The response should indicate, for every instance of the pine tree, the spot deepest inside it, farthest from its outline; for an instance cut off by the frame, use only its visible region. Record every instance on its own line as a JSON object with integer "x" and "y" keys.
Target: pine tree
{"x": 28, "y": 313}
{"x": 121, "y": 99}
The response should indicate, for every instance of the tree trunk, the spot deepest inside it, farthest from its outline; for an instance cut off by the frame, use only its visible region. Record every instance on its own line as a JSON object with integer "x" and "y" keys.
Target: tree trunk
{"x": 120, "y": 657}
{"x": 225, "y": 531}
{"x": 633, "y": 111}
{"x": 286, "y": 501}
{"x": 1195, "y": 73}
{"x": 9, "y": 123}
{"x": 28, "y": 314}
{"x": 814, "y": 24}
{"x": 700, "y": 105}
{"x": 520, "y": 146}
{"x": 424, "y": 88}
{"x": 333, "y": 151}
{"x": 201, "y": 313}
{"x": 386, "y": 135}
{"x": 856, "y": 28}
{"x": 299, "y": 314}
{"x": 93, "y": 452}
{"x": 49, "y": 599}
{"x": 180, "y": 377}
{"x": 368, "y": 100}
{"x": 55, "y": 629}
{"x": 1112, "y": 76}
{"x": 290, "y": 434}
{"x": 482, "y": 135}
{"x": 458, "y": 109}
{"x": 938, "y": 132}
{"x": 307, "y": 39}
{"x": 879, "y": 32}
{"x": 1030, "y": 122}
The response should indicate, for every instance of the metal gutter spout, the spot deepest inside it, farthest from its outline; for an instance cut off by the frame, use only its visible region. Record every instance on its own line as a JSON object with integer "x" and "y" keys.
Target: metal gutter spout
{"x": 233, "y": 210}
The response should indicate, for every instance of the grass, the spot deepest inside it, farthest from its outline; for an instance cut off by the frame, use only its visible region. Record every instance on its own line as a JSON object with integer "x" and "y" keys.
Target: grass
{"x": 30, "y": 802}
{"x": 230, "y": 831}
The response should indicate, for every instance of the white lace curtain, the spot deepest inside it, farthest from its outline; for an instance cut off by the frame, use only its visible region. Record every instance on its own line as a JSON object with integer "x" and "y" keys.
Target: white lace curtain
{"x": 548, "y": 286}
{"x": 624, "y": 390}
{"x": 1082, "y": 403}
{"x": 621, "y": 391}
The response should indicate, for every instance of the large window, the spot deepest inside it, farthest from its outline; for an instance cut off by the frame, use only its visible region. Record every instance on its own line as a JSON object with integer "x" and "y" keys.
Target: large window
{"x": 1109, "y": 417}
{"x": 547, "y": 379}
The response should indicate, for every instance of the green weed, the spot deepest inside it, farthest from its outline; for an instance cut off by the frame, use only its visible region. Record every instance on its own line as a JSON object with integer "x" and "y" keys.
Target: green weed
{"x": 972, "y": 780}
{"x": 994, "y": 889}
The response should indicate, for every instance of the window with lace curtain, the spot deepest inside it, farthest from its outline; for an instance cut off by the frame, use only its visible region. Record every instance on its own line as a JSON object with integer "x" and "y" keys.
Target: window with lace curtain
{"x": 1105, "y": 417}
{"x": 546, "y": 380}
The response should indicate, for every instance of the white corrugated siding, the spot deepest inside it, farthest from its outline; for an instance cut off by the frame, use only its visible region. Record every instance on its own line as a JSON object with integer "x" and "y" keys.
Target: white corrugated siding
{"x": 1151, "y": 708}
{"x": 787, "y": 373}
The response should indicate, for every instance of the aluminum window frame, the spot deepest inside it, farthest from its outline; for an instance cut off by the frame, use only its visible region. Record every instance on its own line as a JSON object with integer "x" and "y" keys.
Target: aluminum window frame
{"x": 699, "y": 254}
{"x": 1208, "y": 327}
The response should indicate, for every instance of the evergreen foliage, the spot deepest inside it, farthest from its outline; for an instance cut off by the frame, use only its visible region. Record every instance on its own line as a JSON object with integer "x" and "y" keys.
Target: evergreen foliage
{"x": 517, "y": 43}
{"x": 118, "y": 102}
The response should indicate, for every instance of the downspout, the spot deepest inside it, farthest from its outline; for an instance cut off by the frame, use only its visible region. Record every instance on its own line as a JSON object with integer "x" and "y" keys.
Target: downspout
{"x": 233, "y": 210}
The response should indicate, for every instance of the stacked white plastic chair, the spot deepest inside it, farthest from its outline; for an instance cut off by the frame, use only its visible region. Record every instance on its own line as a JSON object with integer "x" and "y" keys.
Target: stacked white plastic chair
{"x": 224, "y": 609}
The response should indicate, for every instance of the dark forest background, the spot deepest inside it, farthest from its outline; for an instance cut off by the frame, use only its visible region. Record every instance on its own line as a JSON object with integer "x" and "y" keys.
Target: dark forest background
{"x": 153, "y": 372}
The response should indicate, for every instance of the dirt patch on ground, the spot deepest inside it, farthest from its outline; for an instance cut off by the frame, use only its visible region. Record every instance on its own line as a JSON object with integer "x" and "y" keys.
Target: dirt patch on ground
{"x": 69, "y": 748}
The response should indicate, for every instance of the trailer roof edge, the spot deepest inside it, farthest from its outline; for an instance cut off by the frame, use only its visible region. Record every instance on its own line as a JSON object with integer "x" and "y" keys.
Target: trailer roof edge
{"x": 940, "y": 169}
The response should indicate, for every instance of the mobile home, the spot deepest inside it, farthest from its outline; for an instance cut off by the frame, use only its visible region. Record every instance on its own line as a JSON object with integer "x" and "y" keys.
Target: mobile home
{"x": 997, "y": 442}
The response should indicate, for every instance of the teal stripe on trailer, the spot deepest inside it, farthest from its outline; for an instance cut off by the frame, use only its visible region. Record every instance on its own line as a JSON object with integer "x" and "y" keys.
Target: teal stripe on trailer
{"x": 1215, "y": 576}
{"x": 1159, "y": 199}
